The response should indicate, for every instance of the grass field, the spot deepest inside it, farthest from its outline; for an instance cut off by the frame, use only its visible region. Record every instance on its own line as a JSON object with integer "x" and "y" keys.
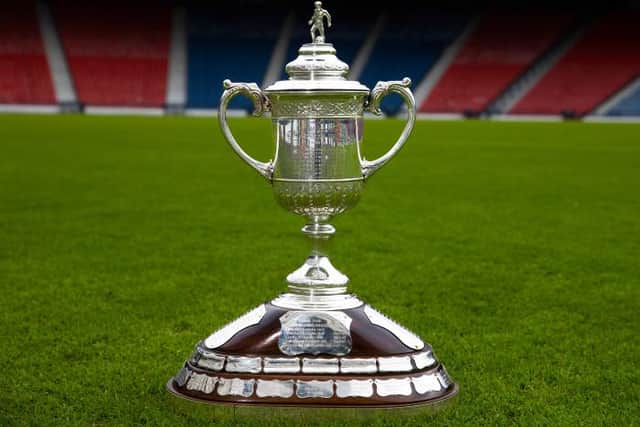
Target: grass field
{"x": 514, "y": 249}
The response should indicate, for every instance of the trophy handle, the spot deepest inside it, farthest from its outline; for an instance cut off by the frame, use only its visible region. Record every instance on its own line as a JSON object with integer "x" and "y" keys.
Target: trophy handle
{"x": 260, "y": 103}
{"x": 381, "y": 90}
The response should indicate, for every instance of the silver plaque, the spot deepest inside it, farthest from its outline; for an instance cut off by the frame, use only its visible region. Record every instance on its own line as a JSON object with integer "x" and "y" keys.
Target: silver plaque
{"x": 358, "y": 366}
{"x": 315, "y": 332}
{"x": 183, "y": 376}
{"x": 394, "y": 387}
{"x": 196, "y": 382}
{"x": 443, "y": 377}
{"x": 243, "y": 364}
{"x": 210, "y": 360}
{"x": 320, "y": 366}
{"x": 426, "y": 383}
{"x": 195, "y": 356}
{"x": 395, "y": 364}
{"x": 274, "y": 388}
{"x": 202, "y": 383}
{"x": 235, "y": 387}
{"x": 284, "y": 365}
{"x": 223, "y": 335}
{"x": 354, "y": 388}
{"x": 307, "y": 389}
{"x": 424, "y": 359}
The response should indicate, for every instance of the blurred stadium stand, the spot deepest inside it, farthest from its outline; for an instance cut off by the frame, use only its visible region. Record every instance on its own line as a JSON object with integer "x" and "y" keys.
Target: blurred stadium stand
{"x": 117, "y": 52}
{"x": 600, "y": 64}
{"x": 463, "y": 59}
{"x": 626, "y": 103}
{"x": 221, "y": 48}
{"x": 495, "y": 53}
{"x": 410, "y": 45}
{"x": 24, "y": 72}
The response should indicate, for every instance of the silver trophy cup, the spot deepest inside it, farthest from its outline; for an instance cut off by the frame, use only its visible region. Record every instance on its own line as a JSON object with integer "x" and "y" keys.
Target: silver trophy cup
{"x": 317, "y": 344}
{"x": 318, "y": 170}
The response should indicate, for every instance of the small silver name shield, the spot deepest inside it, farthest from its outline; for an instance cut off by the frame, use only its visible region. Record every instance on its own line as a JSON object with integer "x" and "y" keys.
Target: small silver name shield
{"x": 315, "y": 332}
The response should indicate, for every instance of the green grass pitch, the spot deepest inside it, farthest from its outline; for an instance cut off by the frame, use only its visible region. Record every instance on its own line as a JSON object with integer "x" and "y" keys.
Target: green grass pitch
{"x": 514, "y": 249}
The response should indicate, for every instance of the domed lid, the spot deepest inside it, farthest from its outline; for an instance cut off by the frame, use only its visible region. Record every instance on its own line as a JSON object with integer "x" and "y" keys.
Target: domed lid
{"x": 317, "y": 68}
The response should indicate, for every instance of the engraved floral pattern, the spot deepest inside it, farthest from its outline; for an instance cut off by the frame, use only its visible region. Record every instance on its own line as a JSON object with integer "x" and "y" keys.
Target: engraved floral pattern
{"x": 317, "y": 198}
{"x": 305, "y": 107}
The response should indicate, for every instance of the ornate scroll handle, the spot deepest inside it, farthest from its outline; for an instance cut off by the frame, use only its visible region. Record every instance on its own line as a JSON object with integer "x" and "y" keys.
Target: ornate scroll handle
{"x": 260, "y": 103}
{"x": 379, "y": 91}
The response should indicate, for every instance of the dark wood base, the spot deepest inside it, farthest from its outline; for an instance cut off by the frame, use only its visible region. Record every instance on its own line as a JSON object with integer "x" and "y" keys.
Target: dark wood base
{"x": 380, "y": 370}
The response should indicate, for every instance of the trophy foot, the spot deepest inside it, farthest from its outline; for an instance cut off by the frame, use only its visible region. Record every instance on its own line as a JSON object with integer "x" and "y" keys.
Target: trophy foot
{"x": 339, "y": 358}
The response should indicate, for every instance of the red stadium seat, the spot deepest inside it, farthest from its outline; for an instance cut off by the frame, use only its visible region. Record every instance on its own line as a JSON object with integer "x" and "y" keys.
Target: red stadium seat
{"x": 24, "y": 71}
{"x": 496, "y": 53}
{"x": 117, "y": 53}
{"x": 603, "y": 61}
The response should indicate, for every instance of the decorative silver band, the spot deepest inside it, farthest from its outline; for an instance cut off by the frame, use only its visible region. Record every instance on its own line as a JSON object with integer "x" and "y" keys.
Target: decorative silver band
{"x": 313, "y": 180}
{"x": 205, "y": 359}
{"x": 294, "y": 301}
{"x": 431, "y": 382}
{"x": 409, "y": 339}
{"x": 305, "y": 107}
{"x": 224, "y": 334}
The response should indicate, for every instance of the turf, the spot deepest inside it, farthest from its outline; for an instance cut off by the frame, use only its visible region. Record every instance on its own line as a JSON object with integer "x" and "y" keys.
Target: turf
{"x": 512, "y": 248}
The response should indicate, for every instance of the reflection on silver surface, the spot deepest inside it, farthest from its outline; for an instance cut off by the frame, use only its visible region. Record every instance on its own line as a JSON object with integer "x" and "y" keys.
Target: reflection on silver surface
{"x": 314, "y": 332}
{"x": 289, "y": 365}
{"x": 202, "y": 383}
{"x": 235, "y": 387}
{"x": 209, "y": 360}
{"x": 294, "y": 301}
{"x": 183, "y": 376}
{"x": 358, "y": 366}
{"x": 394, "y": 387}
{"x": 395, "y": 364}
{"x": 318, "y": 270}
{"x": 320, "y": 366}
{"x": 408, "y": 338}
{"x": 443, "y": 377}
{"x": 306, "y": 389}
{"x": 426, "y": 383}
{"x": 316, "y": 365}
{"x": 223, "y": 335}
{"x": 313, "y": 150}
{"x": 354, "y": 388}
{"x": 424, "y": 359}
{"x": 196, "y": 381}
{"x": 211, "y": 384}
{"x": 243, "y": 364}
{"x": 274, "y": 388}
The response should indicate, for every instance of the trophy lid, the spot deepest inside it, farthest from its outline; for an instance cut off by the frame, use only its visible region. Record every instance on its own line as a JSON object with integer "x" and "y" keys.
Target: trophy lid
{"x": 317, "y": 68}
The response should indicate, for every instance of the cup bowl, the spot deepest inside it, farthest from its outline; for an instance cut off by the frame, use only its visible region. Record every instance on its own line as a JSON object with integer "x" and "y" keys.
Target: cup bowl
{"x": 318, "y": 200}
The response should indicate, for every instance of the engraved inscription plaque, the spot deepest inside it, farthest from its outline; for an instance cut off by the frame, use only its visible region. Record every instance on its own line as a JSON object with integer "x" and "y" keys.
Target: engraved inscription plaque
{"x": 315, "y": 332}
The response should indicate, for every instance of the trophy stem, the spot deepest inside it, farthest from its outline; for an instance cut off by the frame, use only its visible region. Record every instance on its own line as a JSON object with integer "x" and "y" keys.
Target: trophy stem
{"x": 317, "y": 276}
{"x": 320, "y": 235}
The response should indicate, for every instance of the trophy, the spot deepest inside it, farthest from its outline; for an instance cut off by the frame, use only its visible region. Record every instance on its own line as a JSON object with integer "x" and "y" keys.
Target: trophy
{"x": 316, "y": 345}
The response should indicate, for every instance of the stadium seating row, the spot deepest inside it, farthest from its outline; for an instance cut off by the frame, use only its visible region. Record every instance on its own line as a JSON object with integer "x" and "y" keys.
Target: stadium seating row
{"x": 118, "y": 54}
{"x": 601, "y": 63}
{"x": 499, "y": 49}
{"x": 411, "y": 46}
{"x": 24, "y": 73}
